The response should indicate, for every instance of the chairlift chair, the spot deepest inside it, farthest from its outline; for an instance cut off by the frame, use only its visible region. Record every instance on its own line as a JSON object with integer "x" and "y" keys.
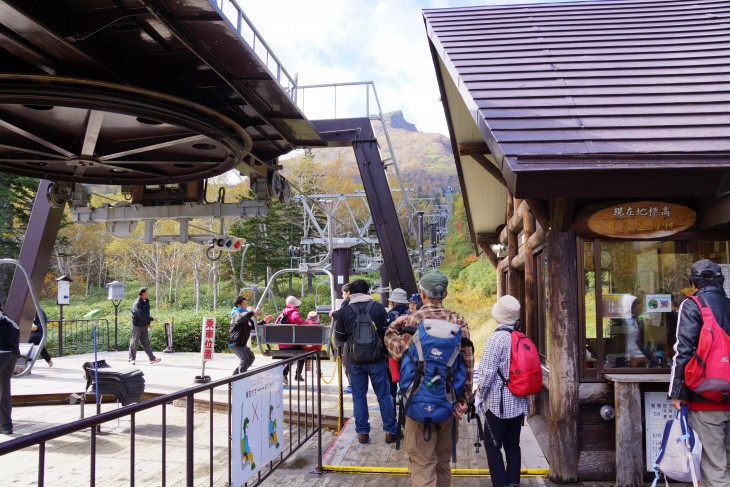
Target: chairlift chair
{"x": 307, "y": 335}
{"x": 28, "y": 351}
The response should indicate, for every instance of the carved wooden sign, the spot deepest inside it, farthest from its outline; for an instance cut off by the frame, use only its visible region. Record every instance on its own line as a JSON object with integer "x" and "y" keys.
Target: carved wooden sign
{"x": 635, "y": 220}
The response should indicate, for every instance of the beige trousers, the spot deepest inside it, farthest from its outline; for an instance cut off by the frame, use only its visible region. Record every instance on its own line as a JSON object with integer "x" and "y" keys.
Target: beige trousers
{"x": 430, "y": 461}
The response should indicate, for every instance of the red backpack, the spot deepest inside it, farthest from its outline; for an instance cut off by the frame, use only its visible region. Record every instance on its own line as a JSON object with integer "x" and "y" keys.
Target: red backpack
{"x": 708, "y": 371}
{"x": 525, "y": 369}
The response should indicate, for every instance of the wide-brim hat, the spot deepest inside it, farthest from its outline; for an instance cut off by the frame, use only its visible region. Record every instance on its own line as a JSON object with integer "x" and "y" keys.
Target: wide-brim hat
{"x": 292, "y": 301}
{"x": 398, "y": 295}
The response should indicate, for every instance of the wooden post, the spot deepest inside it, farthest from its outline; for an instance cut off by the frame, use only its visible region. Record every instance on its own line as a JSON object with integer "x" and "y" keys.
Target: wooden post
{"x": 513, "y": 283}
{"x": 528, "y": 227}
{"x": 563, "y": 357}
{"x": 629, "y": 447}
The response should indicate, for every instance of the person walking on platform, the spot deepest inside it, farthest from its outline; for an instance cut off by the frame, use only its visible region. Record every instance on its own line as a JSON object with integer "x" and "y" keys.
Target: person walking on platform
{"x": 141, "y": 321}
{"x": 430, "y": 460}
{"x": 9, "y": 353}
{"x": 398, "y": 302}
{"x": 363, "y": 312}
{"x": 503, "y": 412}
{"x": 709, "y": 419}
{"x": 242, "y": 322}
{"x": 36, "y": 335}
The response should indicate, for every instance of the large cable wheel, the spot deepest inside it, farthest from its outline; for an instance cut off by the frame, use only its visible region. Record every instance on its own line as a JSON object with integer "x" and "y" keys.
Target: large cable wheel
{"x": 77, "y": 130}
{"x": 277, "y": 185}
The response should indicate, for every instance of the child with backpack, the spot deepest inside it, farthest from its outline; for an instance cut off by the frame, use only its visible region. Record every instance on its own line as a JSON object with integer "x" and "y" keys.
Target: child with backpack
{"x": 503, "y": 411}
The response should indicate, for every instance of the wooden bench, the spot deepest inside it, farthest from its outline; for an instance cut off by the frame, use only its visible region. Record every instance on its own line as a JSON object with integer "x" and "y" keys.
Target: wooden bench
{"x": 307, "y": 335}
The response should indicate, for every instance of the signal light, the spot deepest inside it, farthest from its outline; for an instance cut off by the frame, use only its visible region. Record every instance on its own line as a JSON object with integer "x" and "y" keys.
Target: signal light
{"x": 228, "y": 243}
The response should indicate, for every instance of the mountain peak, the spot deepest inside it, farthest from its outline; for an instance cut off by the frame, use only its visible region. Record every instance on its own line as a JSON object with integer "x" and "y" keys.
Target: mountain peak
{"x": 397, "y": 121}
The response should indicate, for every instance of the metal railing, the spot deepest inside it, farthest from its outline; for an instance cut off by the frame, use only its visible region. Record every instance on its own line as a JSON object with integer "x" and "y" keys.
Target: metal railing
{"x": 75, "y": 337}
{"x": 233, "y": 13}
{"x": 303, "y": 416}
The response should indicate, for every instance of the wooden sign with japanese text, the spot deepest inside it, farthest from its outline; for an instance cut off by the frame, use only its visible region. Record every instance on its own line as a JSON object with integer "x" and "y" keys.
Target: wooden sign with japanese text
{"x": 635, "y": 220}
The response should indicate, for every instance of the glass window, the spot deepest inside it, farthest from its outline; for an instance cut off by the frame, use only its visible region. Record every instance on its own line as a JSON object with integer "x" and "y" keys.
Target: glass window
{"x": 541, "y": 301}
{"x": 642, "y": 285}
{"x": 592, "y": 351}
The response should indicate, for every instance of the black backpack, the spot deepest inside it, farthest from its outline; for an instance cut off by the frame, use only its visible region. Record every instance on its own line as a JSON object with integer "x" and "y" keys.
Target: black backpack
{"x": 366, "y": 345}
{"x": 9, "y": 335}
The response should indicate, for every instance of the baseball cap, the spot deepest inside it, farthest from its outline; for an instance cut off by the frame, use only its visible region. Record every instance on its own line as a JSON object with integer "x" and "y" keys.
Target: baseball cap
{"x": 707, "y": 268}
{"x": 434, "y": 282}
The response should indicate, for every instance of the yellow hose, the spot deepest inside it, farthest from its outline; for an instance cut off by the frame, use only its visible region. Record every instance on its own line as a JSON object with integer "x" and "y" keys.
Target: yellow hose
{"x": 456, "y": 472}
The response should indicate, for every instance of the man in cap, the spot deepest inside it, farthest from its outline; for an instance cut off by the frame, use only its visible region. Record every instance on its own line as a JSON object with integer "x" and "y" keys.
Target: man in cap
{"x": 429, "y": 460}
{"x": 503, "y": 412}
{"x": 710, "y": 420}
{"x": 141, "y": 320}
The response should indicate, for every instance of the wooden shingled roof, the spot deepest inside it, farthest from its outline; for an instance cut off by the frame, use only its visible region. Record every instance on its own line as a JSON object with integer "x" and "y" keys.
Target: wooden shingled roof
{"x": 586, "y": 99}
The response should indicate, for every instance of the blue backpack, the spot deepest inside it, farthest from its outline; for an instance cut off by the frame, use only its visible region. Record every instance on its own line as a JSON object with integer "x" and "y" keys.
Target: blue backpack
{"x": 432, "y": 372}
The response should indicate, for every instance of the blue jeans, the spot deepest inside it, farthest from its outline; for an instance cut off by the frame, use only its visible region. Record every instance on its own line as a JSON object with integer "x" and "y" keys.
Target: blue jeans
{"x": 378, "y": 374}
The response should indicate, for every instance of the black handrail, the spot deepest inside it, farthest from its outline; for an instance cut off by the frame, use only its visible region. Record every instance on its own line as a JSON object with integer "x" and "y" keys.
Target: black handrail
{"x": 42, "y": 437}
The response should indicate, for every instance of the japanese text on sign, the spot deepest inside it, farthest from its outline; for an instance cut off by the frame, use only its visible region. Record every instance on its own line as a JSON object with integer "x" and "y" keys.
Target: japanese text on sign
{"x": 207, "y": 341}
{"x": 657, "y": 411}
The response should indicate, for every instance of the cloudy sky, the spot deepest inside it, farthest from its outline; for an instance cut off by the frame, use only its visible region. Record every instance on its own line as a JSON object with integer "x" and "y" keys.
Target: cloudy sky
{"x": 342, "y": 41}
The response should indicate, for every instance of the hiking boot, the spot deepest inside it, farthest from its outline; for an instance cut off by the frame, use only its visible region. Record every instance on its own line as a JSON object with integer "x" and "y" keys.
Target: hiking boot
{"x": 286, "y": 381}
{"x": 6, "y": 430}
{"x": 155, "y": 360}
{"x": 391, "y": 437}
{"x": 299, "y": 378}
{"x": 363, "y": 438}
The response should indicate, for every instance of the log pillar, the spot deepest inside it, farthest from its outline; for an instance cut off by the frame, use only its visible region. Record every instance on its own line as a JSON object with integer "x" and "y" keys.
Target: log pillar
{"x": 513, "y": 275}
{"x": 528, "y": 227}
{"x": 629, "y": 446}
{"x": 563, "y": 359}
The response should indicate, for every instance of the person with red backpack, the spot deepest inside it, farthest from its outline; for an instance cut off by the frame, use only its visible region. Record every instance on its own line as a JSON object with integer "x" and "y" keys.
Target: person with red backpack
{"x": 709, "y": 411}
{"x": 503, "y": 411}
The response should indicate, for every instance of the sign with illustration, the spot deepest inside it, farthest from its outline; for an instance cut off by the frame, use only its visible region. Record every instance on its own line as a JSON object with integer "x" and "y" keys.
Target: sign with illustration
{"x": 635, "y": 220}
{"x": 257, "y": 421}
{"x": 725, "y": 268}
{"x": 658, "y": 303}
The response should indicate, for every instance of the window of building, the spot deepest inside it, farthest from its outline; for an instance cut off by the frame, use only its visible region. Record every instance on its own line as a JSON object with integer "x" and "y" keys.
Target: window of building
{"x": 631, "y": 295}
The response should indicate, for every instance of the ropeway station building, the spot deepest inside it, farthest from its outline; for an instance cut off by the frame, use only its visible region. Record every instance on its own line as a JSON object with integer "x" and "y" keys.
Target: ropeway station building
{"x": 592, "y": 141}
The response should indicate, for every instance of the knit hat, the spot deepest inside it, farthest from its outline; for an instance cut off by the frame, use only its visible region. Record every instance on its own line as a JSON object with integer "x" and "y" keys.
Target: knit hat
{"x": 398, "y": 295}
{"x": 506, "y": 311}
{"x": 313, "y": 317}
{"x": 434, "y": 283}
{"x": 292, "y": 301}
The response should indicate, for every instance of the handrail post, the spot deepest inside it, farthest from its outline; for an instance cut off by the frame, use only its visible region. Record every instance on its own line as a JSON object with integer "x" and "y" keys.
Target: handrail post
{"x": 189, "y": 445}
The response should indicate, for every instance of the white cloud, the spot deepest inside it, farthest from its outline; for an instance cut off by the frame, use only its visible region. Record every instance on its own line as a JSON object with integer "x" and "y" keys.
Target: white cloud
{"x": 342, "y": 41}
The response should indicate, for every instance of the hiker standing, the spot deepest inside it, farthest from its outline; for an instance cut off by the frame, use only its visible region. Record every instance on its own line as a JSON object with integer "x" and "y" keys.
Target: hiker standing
{"x": 368, "y": 359}
{"x": 503, "y": 412}
{"x": 429, "y": 459}
{"x": 709, "y": 419}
